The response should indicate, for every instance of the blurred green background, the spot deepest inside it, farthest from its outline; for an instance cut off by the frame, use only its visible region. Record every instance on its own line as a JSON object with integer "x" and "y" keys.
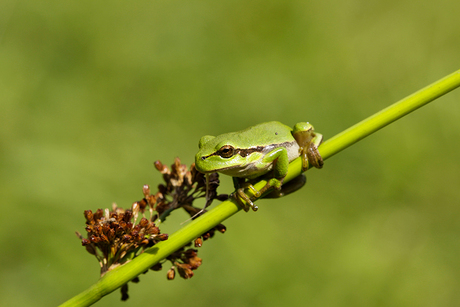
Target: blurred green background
{"x": 92, "y": 93}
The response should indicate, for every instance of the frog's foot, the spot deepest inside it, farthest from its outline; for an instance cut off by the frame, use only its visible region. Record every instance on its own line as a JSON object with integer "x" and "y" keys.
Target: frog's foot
{"x": 244, "y": 200}
{"x": 313, "y": 156}
{"x": 308, "y": 141}
{"x": 248, "y": 202}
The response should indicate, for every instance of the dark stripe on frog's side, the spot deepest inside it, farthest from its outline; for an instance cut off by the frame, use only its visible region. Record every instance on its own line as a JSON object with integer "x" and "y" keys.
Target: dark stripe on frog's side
{"x": 247, "y": 151}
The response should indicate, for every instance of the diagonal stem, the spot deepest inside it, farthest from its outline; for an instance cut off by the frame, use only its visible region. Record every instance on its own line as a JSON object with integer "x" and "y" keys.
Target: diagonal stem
{"x": 123, "y": 274}
{"x": 389, "y": 115}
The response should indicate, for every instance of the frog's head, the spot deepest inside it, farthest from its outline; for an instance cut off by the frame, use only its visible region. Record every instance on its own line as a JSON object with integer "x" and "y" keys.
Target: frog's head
{"x": 218, "y": 155}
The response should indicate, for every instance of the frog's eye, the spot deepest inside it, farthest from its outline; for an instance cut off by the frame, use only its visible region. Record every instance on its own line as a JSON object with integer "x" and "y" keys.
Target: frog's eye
{"x": 226, "y": 151}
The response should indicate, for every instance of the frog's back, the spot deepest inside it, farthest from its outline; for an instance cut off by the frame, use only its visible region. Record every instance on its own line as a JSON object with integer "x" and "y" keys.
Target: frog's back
{"x": 268, "y": 133}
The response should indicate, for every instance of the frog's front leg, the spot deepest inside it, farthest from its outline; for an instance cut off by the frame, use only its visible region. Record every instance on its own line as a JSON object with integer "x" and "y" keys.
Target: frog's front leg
{"x": 308, "y": 141}
{"x": 279, "y": 160}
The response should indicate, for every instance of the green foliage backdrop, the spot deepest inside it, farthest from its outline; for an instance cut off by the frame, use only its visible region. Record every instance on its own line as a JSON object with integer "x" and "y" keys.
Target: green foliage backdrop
{"x": 92, "y": 93}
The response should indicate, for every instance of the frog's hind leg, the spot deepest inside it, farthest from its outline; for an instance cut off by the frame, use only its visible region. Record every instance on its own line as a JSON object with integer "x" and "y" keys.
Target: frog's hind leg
{"x": 309, "y": 142}
{"x": 313, "y": 156}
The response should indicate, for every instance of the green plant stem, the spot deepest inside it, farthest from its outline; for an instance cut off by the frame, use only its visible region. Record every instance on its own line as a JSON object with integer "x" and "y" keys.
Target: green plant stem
{"x": 123, "y": 274}
{"x": 390, "y": 114}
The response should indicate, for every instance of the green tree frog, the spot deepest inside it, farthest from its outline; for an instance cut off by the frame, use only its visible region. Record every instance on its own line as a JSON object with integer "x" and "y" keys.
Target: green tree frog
{"x": 264, "y": 149}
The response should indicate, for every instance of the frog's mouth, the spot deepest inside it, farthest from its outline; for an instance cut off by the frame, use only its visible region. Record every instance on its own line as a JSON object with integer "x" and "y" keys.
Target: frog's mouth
{"x": 225, "y": 170}
{"x": 244, "y": 170}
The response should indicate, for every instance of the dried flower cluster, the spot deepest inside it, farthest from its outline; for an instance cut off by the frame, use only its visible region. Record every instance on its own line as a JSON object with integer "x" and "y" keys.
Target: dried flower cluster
{"x": 116, "y": 236}
{"x": 180, "y": 191}
{"x": 182, "y": 187}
